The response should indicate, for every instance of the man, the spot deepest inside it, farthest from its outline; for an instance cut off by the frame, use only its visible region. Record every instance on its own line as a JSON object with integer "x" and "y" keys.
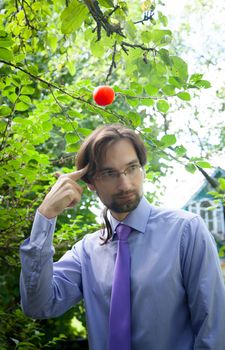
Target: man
{"x": 176, "y": 299}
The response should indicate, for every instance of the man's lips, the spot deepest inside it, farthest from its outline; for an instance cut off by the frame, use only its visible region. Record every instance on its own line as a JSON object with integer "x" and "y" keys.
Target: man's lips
{"x": 125, "y": 196}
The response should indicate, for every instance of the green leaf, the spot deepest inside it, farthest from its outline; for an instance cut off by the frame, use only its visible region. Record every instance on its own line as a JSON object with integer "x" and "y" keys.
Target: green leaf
{"x": 163, "y": 106}
{"x": 130, "y": 29}
{"x": 52, "y": 41}
{"x": 97, "y": 48}
{"x": 73, "y": 16}
{"x": 84, "y": 131}
{"x": 179, "y": 68}
{"x": 205, "y": 84}
{"x": 146, "y": 102}
{"x": 203, "y": 164}
{"x": 21, "y": 106}
{"x": 19, "y": 58}
{"x": 124, "y": 92}
{"x": 72, "y": 138}
{"x": 146, "y": 36}
{"x": 27, "y": 90}
{"x": 180, "y": 151}
{"x": 157, "y": 79}
{"x": 151, "y": 90}
{"x": 184, "y": 96}
{"x": 71, "y": 68}
{"x": 191, "y": 168}
{"x": 163, "y": 19}
{"x": 168, "y": 140}
{"x": 25, "y": 99}
{"x": 5, "y": 110}
{"x": 106, "y": 3}
{"x": 135, "y": 118}
{"x": 33, "y": 69}
{"x": 5, "y": 42}
{"x": 5, "y": 54}
{"x": 133, "y": 102}
{"x": 47, "y": 126}
{"x": 160, "y": 36}
{"x": 195, "y": 77}
{"x": 12, "y": 97}
{"x": 137, "y": 88}
{"x": 3, "y": 126}
{"x": 168, "y": 90}
{"x": 72, "y": 147}
{"x": 3, "y": 34}
{"x": 164, "y": 54}
{"x": 176, "y": 82}
{"x": 222, "y": 183}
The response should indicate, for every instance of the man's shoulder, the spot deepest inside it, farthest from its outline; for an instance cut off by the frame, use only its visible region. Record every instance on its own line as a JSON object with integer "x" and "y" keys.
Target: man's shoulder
{"x": 172, "y": 214}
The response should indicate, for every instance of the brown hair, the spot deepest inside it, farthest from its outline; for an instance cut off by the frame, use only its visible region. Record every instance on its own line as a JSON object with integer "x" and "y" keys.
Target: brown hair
{"x": 93, "y": 149}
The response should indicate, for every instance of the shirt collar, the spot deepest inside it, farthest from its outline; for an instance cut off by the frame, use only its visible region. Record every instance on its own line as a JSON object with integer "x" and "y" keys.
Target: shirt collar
{"x": 137, "y": 218}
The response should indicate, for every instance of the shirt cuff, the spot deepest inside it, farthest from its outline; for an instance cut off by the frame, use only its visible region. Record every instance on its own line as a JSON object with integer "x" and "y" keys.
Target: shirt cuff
{"x": 42, "y": 230}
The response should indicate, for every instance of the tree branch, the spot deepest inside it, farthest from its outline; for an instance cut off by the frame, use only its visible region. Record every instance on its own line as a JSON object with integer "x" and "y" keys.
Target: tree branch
{"x": 52, "y": 85}
{"x": 101, "y": 20}
{"x": 136, "y": 46}
{"x": 113, "y": 63}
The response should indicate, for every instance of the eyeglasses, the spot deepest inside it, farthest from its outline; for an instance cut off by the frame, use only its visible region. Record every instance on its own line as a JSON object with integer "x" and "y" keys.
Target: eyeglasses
{"x": 112, "y": 176}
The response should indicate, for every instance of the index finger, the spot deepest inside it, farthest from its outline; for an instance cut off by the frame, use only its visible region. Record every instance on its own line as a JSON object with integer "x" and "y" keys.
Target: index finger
{"x": 76, "y": 175}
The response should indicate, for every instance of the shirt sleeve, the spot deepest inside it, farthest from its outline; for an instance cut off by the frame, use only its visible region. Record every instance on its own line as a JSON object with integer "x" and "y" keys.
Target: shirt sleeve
{"x": 204, "y": 285}
{"x": 47, "y": 289}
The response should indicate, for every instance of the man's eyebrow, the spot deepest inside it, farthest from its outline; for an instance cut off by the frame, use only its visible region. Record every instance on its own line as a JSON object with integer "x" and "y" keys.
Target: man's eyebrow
{"x": 108, "y": 168}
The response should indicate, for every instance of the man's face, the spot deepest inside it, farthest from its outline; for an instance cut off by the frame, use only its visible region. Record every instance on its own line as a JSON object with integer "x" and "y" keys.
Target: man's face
{"x": 121, "y": 193}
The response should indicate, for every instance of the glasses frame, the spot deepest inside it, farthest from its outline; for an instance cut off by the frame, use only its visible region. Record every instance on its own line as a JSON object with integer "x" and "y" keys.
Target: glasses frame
{"x": 117, "y": 174}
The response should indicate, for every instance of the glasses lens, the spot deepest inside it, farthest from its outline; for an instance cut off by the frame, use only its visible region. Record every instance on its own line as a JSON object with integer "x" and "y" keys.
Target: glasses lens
{"x": 111, "y": 176}
{"x": 132, "y": 170}
{"x": 108, "y": 175}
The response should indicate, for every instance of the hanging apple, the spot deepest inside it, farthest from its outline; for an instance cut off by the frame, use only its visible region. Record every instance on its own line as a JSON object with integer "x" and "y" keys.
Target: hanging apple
{"x": 103, "y": 95}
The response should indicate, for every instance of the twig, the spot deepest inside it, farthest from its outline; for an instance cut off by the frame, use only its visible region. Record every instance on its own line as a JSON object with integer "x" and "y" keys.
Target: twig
{"x": 148, "y": 16}
{"x": 113, "y": 63}
{"x": 61, "y": 160}
{"x": 136, "y": 46}
{"x": 26, "y": 17}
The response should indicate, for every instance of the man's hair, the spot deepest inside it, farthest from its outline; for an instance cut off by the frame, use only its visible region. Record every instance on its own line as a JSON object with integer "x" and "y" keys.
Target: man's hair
{"x": 92, "y": 153}
{"x": 94, "y": 147}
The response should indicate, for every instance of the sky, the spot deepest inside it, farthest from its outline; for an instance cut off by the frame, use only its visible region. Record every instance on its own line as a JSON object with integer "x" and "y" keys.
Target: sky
{"x": 182, "y": 185}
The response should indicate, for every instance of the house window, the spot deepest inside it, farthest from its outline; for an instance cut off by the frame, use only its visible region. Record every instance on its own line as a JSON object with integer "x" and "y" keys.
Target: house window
{"x": 213, "y": 216}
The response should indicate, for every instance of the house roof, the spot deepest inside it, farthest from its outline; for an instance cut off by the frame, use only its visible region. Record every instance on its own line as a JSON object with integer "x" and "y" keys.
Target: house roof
{"x": 218, "y": 172}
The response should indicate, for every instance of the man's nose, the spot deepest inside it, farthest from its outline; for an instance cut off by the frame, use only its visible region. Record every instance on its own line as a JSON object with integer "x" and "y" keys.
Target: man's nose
{"x": 123, "y": 182}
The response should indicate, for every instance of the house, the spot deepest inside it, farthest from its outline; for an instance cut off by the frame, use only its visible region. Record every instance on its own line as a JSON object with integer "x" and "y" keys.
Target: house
{"x": 202, "y": 203}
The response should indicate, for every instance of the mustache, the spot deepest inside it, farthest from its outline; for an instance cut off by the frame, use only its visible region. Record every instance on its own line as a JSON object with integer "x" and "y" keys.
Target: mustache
{"x": 123, "y": 193}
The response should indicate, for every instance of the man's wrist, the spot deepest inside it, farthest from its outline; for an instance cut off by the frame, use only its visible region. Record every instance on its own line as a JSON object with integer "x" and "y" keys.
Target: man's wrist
{"x": 46, "y": 212}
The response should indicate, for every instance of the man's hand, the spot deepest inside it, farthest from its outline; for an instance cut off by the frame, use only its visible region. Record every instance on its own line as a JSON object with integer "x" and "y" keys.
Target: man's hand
{"x": 64, "y": 194}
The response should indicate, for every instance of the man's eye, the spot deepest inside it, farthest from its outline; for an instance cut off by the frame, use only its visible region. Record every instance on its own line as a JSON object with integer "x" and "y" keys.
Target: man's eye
{"x": 132, "y": 168}
{"x": 109, "y": 174}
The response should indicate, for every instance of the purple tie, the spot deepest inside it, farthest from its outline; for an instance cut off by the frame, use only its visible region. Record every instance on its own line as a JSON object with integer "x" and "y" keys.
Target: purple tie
{"x": 120, "y": 308}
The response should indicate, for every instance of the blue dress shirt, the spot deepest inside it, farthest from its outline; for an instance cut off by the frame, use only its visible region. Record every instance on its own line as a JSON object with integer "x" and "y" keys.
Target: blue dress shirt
{"x": 177, "y": 289}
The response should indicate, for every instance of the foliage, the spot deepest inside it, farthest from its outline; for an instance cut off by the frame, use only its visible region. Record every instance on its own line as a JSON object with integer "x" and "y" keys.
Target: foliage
{"x": 52, "y": 55}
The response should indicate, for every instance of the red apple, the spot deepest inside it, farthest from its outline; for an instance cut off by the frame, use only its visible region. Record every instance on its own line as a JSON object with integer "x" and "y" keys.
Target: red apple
{"x": 103, "y": 95}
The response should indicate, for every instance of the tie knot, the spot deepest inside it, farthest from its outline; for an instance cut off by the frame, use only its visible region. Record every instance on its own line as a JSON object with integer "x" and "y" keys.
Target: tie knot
{"x": 123, "y": 232}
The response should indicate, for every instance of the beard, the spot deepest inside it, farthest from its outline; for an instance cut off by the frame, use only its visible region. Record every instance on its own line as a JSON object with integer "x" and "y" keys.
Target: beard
{"x": 124, "y": 201}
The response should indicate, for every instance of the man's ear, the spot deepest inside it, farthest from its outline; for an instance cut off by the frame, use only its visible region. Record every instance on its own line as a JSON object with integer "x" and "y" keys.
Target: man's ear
{"x": 91, "y": 187}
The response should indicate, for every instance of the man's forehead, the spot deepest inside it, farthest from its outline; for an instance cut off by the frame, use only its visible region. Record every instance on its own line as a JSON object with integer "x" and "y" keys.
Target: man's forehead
{"x": 117, "y": 154}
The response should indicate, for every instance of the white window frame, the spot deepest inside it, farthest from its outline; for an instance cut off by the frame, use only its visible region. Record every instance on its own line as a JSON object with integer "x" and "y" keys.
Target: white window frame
{"x": 217, "y": 216}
